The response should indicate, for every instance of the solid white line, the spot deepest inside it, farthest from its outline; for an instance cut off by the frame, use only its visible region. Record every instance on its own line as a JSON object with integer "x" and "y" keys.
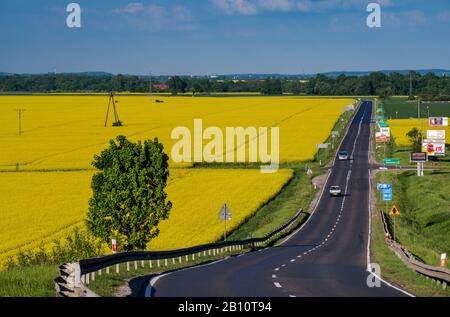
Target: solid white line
{"x": 277, "y": 284}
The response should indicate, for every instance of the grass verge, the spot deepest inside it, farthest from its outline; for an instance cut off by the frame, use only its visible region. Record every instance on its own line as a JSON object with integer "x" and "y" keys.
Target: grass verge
{"x": 412, "y": 231}
{"x": 34, "y": 281}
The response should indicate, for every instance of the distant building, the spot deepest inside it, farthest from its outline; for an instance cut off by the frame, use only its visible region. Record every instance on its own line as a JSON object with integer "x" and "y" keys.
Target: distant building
{"x": 161, "y": 87}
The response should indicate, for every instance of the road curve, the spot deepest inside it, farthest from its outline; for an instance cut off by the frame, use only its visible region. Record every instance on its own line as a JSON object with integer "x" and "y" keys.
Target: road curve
{"x": 326, "y": 257}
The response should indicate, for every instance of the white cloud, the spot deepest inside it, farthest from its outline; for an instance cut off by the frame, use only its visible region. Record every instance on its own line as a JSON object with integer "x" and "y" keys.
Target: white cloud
{"x": 244, "y": 7}
{"x": 276, "y": 5}
{"x": 133, "y": 7}
{"x": 181, "y": 13}
{"x": 250, "y": 7}
{"x": 155, "y": 17}
{"x": 444, "y": 16}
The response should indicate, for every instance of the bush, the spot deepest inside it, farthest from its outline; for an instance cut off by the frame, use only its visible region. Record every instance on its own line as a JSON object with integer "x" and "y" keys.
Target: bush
{"x": 77, "y": 245}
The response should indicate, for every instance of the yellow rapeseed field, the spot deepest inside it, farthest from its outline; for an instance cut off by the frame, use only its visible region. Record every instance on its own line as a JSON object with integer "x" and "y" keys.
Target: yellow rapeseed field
{"x": 63, "y": 132}
{"x": 43, "y": 206}
{"x": 400, "y": 127}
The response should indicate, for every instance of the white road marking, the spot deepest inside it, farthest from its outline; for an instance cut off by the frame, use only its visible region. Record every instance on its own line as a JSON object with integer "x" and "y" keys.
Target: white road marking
{"x": 277, "y": 269}
{"x": 277, "y": 284}
{"x": 292, "y": 296}
{"x": 274, "y": 276}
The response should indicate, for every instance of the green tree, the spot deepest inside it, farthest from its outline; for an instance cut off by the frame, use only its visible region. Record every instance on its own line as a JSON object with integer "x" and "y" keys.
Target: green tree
{"x": 129, "y": 198}
{"x": 177, "y": 85}
{"x": 415, "y": 137}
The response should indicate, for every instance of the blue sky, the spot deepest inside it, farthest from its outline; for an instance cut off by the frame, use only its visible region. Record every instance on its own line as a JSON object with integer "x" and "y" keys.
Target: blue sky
{"x": 192, "y": 37}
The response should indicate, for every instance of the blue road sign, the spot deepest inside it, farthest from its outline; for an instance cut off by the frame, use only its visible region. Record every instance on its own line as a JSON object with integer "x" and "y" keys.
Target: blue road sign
{"x": 384, "y": 186}
{"x": 387, "y": 194}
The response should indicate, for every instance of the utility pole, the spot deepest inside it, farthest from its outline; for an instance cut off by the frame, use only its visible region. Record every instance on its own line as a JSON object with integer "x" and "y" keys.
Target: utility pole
{"x": 20, "y": 112}
{"x": 410, "y": 84}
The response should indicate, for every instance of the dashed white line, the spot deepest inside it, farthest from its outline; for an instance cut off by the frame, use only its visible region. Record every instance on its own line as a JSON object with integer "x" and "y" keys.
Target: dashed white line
{"x": 274, "y": 276}
{"x": 277, "y": 284}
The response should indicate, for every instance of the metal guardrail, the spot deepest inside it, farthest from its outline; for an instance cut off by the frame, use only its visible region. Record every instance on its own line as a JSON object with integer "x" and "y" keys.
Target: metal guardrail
{"x": 73, "y": 277}
{"x": 440, "y": 274}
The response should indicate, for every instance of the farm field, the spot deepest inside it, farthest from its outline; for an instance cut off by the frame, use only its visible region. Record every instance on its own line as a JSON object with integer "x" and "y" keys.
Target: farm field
{"x": 38, "y": 206}
{"x": 404, "y": 109}
{"x": 400, "y": 127}
{"x": 63, "y": 133}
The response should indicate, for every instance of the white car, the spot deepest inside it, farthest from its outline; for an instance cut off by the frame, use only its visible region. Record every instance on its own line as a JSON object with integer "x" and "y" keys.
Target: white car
{"x": 335, "y": 191}
{"x": 343, "y": 155}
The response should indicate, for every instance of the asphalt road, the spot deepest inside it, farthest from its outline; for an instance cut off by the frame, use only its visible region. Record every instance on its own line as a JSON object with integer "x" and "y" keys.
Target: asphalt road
{"x": 328, "y": 256}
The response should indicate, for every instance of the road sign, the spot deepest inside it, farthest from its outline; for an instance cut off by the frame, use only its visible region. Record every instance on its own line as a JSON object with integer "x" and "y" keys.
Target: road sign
{"x": 391, "y": 161}
{"x": 114, "y": 245}
{"x": 225, "y": 213}
{"x": 384, "y": 186}
{"x": 380, "y": 117}
{"x": 394, "y": 211}
{"x": 323, "y": 146}
{"x": 419, "y": 157}
{"x": 383, "y": 124}
{"x": 387, "y": 194}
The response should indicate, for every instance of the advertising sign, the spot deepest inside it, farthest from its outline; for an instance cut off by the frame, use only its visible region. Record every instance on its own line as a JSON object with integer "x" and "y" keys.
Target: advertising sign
{"x": 382, "y": 138}
{"x": 385, "y": 131}
{"x": 434, "y": 148}
{"x": 436, "y": 135}
{"x": 438, "y": 122}
{"x": 114, "y": 245}
{"x": 419, "y": 157}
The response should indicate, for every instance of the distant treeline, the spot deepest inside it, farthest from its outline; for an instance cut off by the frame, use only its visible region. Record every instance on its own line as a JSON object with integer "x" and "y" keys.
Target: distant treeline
{"x": 428, "y": 87}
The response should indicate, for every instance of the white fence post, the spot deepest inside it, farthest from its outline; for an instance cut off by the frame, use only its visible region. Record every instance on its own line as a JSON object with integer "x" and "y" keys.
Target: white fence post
{"x": 107, "y": 270}
{"x": 135, "y": 265}
{"x": 128, "y": 266}
{"x": 150, "y": 263}
{"x": 158, "y": 263}
{"x": 117, "y": 268}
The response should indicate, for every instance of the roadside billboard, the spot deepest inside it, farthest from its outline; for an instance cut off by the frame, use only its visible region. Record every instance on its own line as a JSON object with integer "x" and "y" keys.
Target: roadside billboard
{"x": 419, "y": 157}
{"x": 434, "y": 148}
{"x": 385, "y": 132}
{"x": 436, "y": 135}
{"x": 438, "y": 122}
{"x": 380, "y": 138}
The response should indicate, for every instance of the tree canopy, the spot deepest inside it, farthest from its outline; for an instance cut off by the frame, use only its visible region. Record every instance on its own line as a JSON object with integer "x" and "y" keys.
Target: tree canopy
{"x": 129, "y": 198}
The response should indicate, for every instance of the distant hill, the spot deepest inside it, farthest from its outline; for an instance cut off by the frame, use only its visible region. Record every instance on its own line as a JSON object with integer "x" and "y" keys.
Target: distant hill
{"x": 255, "y": 76}
{"x": 91, "y": 74}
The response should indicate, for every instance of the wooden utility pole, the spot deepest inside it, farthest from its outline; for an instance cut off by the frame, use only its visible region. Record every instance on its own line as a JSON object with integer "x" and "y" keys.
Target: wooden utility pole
{"x": 112, "y": 102}
{"x": 20, "y": 112}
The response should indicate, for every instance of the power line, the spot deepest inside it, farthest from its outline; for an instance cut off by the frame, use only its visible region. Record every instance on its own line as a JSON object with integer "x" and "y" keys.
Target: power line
{"x": 20, "y": 111}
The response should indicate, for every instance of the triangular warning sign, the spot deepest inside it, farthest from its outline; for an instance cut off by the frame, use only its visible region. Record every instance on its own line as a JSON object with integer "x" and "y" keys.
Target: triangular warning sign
{"x": 394, "y": 211}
